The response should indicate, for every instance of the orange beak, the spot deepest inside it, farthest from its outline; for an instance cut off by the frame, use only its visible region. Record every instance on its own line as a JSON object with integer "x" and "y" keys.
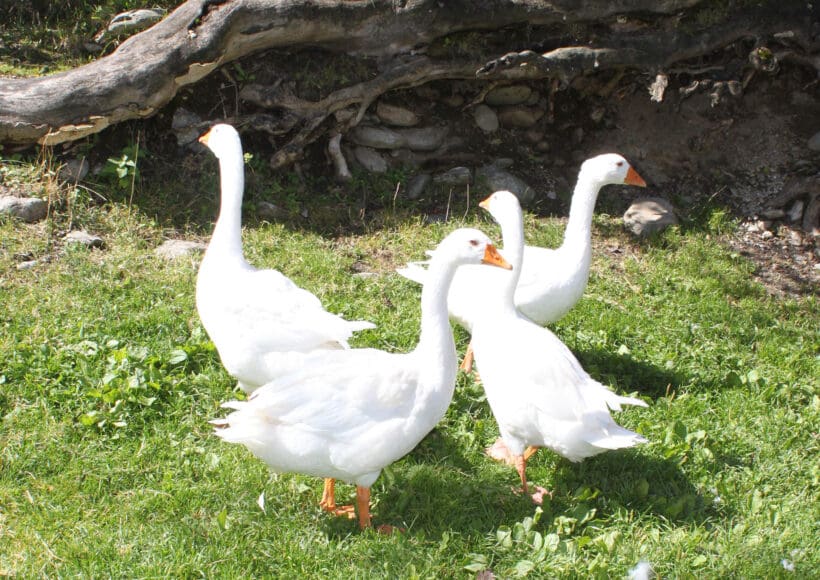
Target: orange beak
{"x": 485, "y": 204}
{"x": 204, "y": 138}
{"x": 632, "y": 178}
{"x": 492, "y": 257}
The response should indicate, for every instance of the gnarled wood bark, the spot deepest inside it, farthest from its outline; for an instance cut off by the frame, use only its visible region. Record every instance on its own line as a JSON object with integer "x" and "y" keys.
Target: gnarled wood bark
{"x": 147, "y": 70}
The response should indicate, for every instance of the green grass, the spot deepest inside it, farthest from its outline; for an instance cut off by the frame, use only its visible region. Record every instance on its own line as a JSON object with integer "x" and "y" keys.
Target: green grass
{"x": 107, "y": 381}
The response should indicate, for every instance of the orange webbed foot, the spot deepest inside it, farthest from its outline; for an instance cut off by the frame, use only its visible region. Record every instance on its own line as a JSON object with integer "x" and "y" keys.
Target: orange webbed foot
{"x": 328, "y": 502}
{"x": 500, "y": 452}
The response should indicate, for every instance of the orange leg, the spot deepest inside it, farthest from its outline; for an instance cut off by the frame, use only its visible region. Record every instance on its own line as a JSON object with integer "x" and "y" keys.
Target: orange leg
{"x": 500, "y": 452}
{"x": 521, "y": 466}
{"x": 328, "y": 502}
{"x": 520, "y": 462}
{"x": 363, "y": 506}
{"x": 467, "y": 361}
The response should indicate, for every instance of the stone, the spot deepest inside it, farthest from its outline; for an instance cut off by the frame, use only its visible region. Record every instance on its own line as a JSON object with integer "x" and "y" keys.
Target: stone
{"x": 130, "y": 22}
{"x": 28, "y": 209}
{"x": 814, "y": 142}
{"x": 370, "y": 159}
{"x": 396, "y": 116}
{"x": 811, "y": 217}
{"x": 519, "y": 117}
{"x": 509, "y": 95}
{"x": 649, "y": 215}
{"x": 84, "y": 238}
{"x": 795, "y": 213}
{"x": 417, "y": 184}
{"x": 795, "y": 238}
{"x": 27, "y": 265}
{"x": 421, "y": 139}
{"x": 375, "y": 137}
{"x": 454, "y": 176}
{"x": 173, "y": 249}
{"x": 269, "y": 211}
{"x": 186, "y": 125}
{"x": 74, "y": 170}
{"x": 772, "y": 214}
{"x": 497, "y": 179}
{"x": 485, "y": 119}
{"x": 535, "y": 99}
{"x": 425, "y": 139}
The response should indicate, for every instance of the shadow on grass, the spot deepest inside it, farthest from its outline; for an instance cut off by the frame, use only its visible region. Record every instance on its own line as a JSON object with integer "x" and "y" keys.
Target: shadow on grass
{"x": 626, "y": 374}
{"x": 474, "y": 496}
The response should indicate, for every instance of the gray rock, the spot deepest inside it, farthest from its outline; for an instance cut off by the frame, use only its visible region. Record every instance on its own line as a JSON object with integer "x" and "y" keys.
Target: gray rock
{"x": 425, "y": 139}
{"x": 421, "y": 139}
{"x": 503, "y": 163}
{"x": 417, "y": 184}
{"x": 497, "y": 179}
{"x": 814, "y": 142}
{"x": 74, "y": 170}
{"x": 509, "y": 95}
{"x": 396, "y": 116}
{"x": 485, "y": 119}
{"x": 269, "y": 211}
{"x": 28, "y": 209}
{"x": 454, "y": 176}
{"x": 795, "y": 213}
{"x": 772, "y": 214}
{"x": 649, "y": 215}
{"x": 811, "y": 217}
{"x": 173, "y": 249}
{"x": 370, "y": 159}
{"x": 520, "y": 116}
{"x": 84, "y": 238}
{"x": 597, "y": 114}
{"x": 186, "y": 126}
{"x": 130, "y": 22}
{"x": 27, "y": 265}
{"x": 377, "y": 137}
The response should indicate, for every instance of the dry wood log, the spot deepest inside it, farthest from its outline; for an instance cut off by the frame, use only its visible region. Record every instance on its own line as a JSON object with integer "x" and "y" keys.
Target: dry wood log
{"x": 147, "y": 70}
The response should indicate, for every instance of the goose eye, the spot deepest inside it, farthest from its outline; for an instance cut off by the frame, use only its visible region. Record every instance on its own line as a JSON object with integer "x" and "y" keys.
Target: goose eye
{"x": 473, "y": 242}
{"x": 620, "y": 164}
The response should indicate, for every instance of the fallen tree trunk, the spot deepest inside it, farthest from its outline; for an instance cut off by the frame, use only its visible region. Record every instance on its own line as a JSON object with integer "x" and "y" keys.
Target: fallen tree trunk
{"x": 147, "y": 70}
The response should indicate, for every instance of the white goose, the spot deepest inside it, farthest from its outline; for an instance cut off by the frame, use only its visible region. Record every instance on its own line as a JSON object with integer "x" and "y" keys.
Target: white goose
{"x": 538, "y": 392}
{"x": 347, "y": 414}
{"x": 551, "y": 280}
{"x": 254, "y": 315}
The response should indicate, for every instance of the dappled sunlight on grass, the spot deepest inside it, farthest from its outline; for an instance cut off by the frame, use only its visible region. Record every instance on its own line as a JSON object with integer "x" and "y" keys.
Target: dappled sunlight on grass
{"x": 108, "y": 382}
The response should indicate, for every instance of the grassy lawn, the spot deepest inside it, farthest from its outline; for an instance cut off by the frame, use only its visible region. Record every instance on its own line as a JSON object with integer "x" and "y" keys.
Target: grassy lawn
{"x": 107, "y": 381}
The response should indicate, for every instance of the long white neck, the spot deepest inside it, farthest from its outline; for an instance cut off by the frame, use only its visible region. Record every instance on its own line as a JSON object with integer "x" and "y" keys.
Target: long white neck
{"x": 579, "y": 226}
{"x": 436, "y": 336}
{"x": 512, "y": 232}
{"x": 227, "y": 236}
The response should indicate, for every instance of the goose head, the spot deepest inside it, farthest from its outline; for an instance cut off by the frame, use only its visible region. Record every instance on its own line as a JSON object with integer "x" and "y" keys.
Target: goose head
{"x": 611, "y": 169}
{"x": 223, "y": 140}
{"x": 468, "y": 246}
{"x": 503, "y": 206}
